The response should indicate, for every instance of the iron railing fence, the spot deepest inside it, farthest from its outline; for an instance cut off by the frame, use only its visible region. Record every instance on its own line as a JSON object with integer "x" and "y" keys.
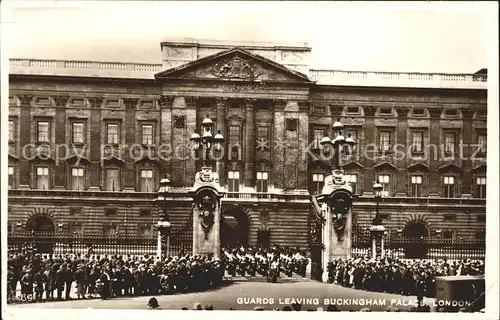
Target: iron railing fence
{"x": 431, "y": 248}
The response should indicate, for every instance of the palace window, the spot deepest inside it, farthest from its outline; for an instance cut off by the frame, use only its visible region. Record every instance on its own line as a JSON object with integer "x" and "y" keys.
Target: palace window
{"x": 42, "y": 178}
{"x": 12, "y": 131}
{"x": 110, "y": 230}
{"x": 448, "y": 234}
{"x": 416, "y": 186}
{"x": 481, "y": 187}
{"x": 77, "y": 178}
{"x": 263, "y": 137}
{"x": 449, "y": 187}
{"x": 480, "y": 235}
{"x": 318, "y": 134}
{"x": 450, "y": 217}
{"x": 11, "y": 177}
{"x": 384, "y": 141}
{"x": 317, "y": 183}
{"x": 110, "y": 212}
{"x": 481, "y": 141}
{"x": 262, "y": 181}
{"x": 113, "y": 179}
{"x": 353, "y": 179}
{"x": 113, "y": 135}
{"x": 354, "y": 136}
{"x": 145, "y": 230}
{"x": 146, "y": 183}
{"x": 234, "y": 142}
{"x": 42, "y": 131}
{"x": 384, "y": 180}
{"x": 233, "y": 181}
{"x": 417, "y": 144}
{"x": 481, "y": 218}
{"x": 77, "y": 134}
{"x": 147, "y": 134}
{"x": 449, "y": 143}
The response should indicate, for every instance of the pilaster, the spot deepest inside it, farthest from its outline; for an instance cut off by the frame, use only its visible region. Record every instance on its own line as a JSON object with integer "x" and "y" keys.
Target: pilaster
{"x": 279, "y": 140}
{"x": 166, "y": 141}
{"x": 24, "y": 140}
{"x": 249, "y": 143}
{"x": 129, "y": 170}
{"x": 191, "y": 126}
{"x": 304, "y": 108}
{"x": 401, "y": 164}
{"x": 95, "y": 143}
{"x": 436, "y": 151}
{"x": 467, "y": 148}
{"x": 221, "y": 105}
{"x": 369, "y": 154}
{"x": 60, "y": 180}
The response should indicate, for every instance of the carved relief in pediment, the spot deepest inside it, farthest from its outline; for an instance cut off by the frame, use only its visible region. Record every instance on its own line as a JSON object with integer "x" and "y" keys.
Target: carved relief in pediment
{"x": 236, "y": 68}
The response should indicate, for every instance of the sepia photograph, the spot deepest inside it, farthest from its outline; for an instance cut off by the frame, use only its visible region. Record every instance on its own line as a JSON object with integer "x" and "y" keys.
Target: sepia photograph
{"x": 256, "y": 156}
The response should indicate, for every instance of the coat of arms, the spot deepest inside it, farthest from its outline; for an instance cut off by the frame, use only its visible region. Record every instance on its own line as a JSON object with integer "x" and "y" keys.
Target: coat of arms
{"x": 236, "y": 68}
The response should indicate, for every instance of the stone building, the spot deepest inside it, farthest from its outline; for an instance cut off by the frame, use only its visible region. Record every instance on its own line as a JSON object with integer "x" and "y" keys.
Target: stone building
{"x": 89, "y": 142}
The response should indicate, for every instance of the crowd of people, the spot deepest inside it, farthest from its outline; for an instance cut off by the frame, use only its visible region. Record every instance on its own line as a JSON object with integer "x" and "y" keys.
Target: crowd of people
{"x": 45, "y": 277}
{"x": 406, "y": 277}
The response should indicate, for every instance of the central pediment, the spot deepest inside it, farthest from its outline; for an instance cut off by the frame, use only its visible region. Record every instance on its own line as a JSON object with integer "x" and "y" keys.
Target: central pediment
{"x": 235, "y": 65}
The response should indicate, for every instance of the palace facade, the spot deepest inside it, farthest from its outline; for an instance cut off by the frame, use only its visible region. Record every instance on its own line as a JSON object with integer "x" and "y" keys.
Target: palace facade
{"x": 89, "y": 142}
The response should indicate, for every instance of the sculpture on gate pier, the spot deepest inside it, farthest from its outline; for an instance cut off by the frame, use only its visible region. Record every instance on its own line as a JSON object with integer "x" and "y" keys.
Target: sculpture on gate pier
{"x": 337, "y": 195}
{"x": 206, "y": 194}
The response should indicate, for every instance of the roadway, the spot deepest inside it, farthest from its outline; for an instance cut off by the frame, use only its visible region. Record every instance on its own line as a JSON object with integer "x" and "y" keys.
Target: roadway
{"x": 244, "y": 295}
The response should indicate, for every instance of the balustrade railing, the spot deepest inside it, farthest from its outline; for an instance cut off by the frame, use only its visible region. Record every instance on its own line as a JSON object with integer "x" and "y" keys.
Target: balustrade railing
{"x": 322, "y": 76}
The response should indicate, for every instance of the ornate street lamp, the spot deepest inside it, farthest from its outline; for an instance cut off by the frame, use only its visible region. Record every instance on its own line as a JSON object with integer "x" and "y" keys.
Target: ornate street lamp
{"x": 207, "y": 142}
{"x": 377, "y": 230}
{"x": 164, "y": 221}
{"x": 377, "y": 193}
{"x": 338, "y": 143}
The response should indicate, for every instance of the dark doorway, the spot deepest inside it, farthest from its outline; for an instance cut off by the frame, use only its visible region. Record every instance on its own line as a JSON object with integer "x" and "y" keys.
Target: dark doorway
{"x": 234, "y": 229}
{"x": 415, "y": 240}
{"x": 42, "y": 228}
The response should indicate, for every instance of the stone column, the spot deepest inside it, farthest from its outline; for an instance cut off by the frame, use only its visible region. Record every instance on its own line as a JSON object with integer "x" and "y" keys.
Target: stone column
{"x": 130, "y": 139}
{"x": 95, "y": 143}
{"x": 165, "y": 130}
{"x": 278, "y": 137}
{"x": 436, "y": 151}
{"x": 467, "y": 148}
{"x": 249, "y": 143}
{"x": 221, "y": 105}
{"x": 401, "y": 164}
{"x": 369, "y": 131}
{"x": 374, "y": 248}
{"x": 24, "y": 140}
{"x": 60, "y": 133}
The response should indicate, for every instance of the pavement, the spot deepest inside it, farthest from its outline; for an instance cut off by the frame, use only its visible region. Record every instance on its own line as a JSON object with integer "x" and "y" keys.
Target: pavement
{"x": 242, "y": 293}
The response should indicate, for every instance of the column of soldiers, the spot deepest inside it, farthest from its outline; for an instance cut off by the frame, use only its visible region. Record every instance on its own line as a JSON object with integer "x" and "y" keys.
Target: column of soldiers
{"x": 406, "y": 277}
{"x": 54, "y": 277}
{"x": 257, "y": 261}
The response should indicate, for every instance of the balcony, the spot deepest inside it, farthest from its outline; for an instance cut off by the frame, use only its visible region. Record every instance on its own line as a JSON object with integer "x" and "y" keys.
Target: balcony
{"x": 322, "y": 76}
